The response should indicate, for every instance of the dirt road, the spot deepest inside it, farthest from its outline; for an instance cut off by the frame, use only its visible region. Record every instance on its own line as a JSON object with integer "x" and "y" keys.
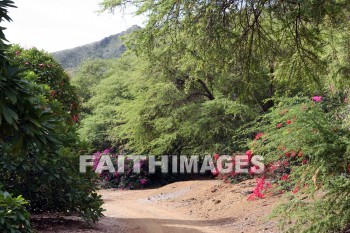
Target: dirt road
{"x": 185, "y": 207}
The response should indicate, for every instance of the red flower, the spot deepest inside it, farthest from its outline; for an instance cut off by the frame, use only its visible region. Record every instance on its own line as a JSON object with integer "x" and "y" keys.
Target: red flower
{"x": 249, "y": 154}
{"x": 75, "y": 118}
{"x": 295, "y": 190}
{"x": 260, "y": 186}
{"x": 53, "y": 93}
{"x": 287, "y": 154}
{"x": 216, "y": 156}
{"x": 215, "y": 172}
{"x": 258, "y": 136}
{"x": 285, "y": 177}
{"x": 279, "y": 125}
{"x": 289, "y": 122}
{"x": 272, "y": 167}
{"x": 293, "y": 153}
{"x": 285, "y": 163}
{"x": 304, "y": 161}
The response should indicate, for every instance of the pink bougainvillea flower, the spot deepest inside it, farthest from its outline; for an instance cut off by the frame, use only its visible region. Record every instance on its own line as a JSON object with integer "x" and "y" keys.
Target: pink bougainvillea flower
{"x": 41, "y": 65}
{"x": 285, "y": 163}
{"x": 18, "y": 53}
{"x": 285, "y": 177}
{"x": 106, "y": 151}
{"x": 317, "y": 98}
{"x": 295, "y": 190}
{"x": 289, "y": 122}
{"x": 293, "y": 154}
{"x": 215, "y": 172}
{"x": 249, "y": 154}
{"x": 75, "y": 118}
{"x": 258, "y": 136}
{"x": 216, "y": 156}
{"x": 143, "y": 181}
{"x": 261, "y": 185}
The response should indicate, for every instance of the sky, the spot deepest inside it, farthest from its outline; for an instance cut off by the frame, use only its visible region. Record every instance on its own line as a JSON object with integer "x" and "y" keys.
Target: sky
{"x": 55, "y": 25}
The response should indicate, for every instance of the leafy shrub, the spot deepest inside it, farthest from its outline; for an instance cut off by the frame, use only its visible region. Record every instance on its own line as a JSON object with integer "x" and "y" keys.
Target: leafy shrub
{"x": 312, "y": 142}
{"x": 130, "y": 179}
{"x": 39, "y": 147}
{"x": 52, "y": 184}
{"x": 43, "y": 69}
{"x": 14, "y": 218}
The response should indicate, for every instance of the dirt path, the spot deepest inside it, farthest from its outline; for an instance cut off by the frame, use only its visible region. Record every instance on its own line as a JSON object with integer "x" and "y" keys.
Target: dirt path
{"x": 185, "y": 207}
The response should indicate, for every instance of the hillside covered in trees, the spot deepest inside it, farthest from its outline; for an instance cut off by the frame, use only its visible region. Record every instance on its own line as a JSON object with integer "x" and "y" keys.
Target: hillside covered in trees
{"x": 109, "y": 47}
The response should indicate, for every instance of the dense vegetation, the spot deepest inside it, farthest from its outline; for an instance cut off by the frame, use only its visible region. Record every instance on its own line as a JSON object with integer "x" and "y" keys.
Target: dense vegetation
{"x": 39, "y": 147}
{"x": 263, "y": 77}
{"x": 223, "y": 77}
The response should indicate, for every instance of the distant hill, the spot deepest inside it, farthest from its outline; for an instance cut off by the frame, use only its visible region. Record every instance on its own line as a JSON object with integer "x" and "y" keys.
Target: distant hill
{"x": 109, "y": 47}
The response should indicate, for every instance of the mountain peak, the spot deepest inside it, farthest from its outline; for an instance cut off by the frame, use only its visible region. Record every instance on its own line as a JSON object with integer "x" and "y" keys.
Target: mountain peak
{"x": 109, "y": 47}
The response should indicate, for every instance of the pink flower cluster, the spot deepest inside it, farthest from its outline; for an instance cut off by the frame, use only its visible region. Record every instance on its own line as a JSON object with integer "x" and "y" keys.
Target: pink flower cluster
{"x": 317, "y": 98}
{"x": 258, "y": 192}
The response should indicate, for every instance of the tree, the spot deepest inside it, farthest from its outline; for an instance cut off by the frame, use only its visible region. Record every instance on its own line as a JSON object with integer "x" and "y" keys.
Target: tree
{"x": 38, "y": 142}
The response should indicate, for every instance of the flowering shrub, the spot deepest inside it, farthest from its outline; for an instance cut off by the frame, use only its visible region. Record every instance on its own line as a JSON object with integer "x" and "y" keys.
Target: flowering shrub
{"x": 39, "y": 147}
{"x": 43, "y": 69}
{"x": 126, "y": 180}
{"x": 130, "y": 179}
{"x": 306, "y": 148}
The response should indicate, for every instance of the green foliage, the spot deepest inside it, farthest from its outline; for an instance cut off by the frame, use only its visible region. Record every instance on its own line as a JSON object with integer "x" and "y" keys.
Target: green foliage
{"x": 14, "y": 218}
{"x": 204, "y": 68}
{"x": 43, "y": 69}
{"x": 125, "y": 106}
{"x": 311, "y": 138}
{"x": 39, "y": 147}
{"x": 52, "y": 183}
{"x": 255, "y": 48}
{"x": 89, "y": 74}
